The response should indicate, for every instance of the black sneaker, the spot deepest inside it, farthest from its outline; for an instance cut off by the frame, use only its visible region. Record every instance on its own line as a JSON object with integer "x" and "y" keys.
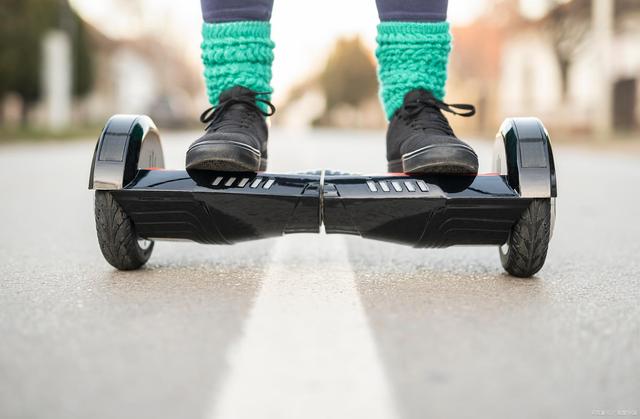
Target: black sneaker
{"x": 421, "y": 141}
{"x": 236, "y": 137}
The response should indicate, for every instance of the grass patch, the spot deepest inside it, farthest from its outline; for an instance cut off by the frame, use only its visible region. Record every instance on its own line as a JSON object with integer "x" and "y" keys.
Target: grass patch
{"x": 30, "y": 134}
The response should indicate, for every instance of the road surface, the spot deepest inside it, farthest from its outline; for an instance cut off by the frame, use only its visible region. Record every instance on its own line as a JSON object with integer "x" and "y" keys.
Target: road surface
{"x": 315, "y": 326}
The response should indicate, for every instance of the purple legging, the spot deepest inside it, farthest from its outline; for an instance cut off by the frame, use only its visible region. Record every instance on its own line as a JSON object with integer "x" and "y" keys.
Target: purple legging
{"x": 389, "y": 10}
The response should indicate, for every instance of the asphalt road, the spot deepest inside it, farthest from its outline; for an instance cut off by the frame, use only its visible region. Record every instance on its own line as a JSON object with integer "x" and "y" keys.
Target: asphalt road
{"x": 315, "y": 326}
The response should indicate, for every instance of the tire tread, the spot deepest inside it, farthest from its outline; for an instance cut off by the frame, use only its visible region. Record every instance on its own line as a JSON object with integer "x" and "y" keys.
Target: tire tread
{"x": 116, "y": 234}
{"x": 529, "y": 240}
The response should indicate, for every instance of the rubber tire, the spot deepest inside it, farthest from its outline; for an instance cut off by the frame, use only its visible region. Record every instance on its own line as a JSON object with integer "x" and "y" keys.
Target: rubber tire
{"x": 528, "y": 242}
{"x": 117, "y": 235}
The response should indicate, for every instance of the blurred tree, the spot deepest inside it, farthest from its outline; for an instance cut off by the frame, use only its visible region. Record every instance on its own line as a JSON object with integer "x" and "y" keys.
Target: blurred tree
{"x": 349, "y": 76}
{"x": 23, "y": 24}
{"x": 567, "y": 24}
{"x": 348, "y": 83}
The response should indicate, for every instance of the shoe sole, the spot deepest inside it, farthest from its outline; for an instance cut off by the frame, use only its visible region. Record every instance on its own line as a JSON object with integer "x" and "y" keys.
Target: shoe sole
{"x": 225, "y": 157}
{"x": 450, "y": 159}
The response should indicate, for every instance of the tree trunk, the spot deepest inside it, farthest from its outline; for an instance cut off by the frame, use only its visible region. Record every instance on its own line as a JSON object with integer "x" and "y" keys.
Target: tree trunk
{"x": 565, "y": 64}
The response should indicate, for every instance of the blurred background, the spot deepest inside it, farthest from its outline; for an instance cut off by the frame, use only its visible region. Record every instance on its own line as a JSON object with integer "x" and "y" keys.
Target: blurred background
{"x": 66, "y": 65}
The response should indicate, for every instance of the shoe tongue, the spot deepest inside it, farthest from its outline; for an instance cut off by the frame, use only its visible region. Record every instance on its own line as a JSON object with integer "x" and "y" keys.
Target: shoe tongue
{"x": 236, "y": 92}
{"x": 417, "y": 94}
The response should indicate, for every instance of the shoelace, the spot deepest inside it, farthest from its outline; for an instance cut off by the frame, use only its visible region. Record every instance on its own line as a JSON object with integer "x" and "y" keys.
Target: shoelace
{"x": 214, "y": 113}
{"x": 413, "y": 109}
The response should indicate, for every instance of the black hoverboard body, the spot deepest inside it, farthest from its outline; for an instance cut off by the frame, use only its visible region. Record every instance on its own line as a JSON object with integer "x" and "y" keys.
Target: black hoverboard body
{"x": 137, "y": 201}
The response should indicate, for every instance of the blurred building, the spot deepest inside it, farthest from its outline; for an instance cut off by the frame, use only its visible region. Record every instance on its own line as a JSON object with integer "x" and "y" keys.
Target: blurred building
{"x": 550, "y": 67}
{"x": 474, "y": 75}
{"x": 141, "y": 76}
{"x": 507, "y": 65}
{"x": 71, "y": 74}
{"x": 558, "y": 82}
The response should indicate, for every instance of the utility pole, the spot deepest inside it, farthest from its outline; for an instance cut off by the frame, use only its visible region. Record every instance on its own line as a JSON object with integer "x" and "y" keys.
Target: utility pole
{"x": 57, "y": 69}
{"x": 602, "y": 21}
{"x": 56, "y": 79}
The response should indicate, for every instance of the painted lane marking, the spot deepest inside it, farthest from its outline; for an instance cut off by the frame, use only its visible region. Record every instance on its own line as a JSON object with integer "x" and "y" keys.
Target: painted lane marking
{"x": 307, "y": 350}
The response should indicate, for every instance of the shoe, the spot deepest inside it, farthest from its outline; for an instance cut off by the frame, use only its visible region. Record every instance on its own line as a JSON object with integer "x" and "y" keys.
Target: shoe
{"x": 236, "y": 137}
{"x": 421, "y": 141}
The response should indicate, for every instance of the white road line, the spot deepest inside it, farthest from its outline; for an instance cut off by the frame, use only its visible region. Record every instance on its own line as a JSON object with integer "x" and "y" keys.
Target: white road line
{"x": 307, "y": 351}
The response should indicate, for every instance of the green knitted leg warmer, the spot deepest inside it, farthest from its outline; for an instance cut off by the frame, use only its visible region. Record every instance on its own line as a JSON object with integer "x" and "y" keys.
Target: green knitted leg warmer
{"x": 237, "y": 54}
{"x": 411, "y": 55}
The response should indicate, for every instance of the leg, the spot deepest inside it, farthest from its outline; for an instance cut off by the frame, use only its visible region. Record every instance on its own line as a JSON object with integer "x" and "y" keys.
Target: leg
{"x": 413, "y": 51}
{"x": 236, "y": 48}
{"x": 218, "y": 11}
{"x": 412, "y": 10}
{"x": 237, "y": 53}
{"x": 413, "y": 48}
